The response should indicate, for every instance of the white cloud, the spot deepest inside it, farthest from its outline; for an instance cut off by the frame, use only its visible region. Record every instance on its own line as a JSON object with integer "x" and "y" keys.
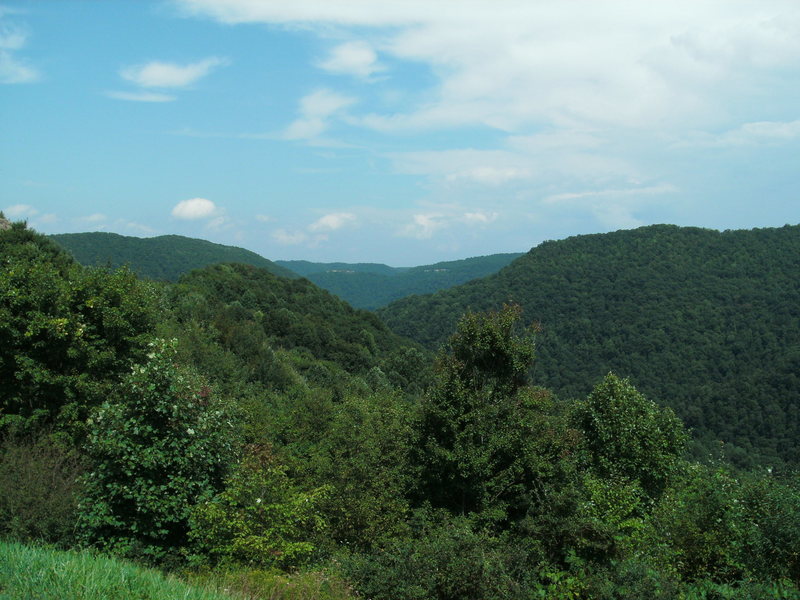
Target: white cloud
{"x": 47, "y": 218}
{"x": 194, "y": 208}
{"x": 218, "y": 222}
{"x": 613, "y": 208}
{"x": 134, "y": 226}
{"x": 516, "y": 64}
{"x": 94, "y": 218}
{"x": 20, "y": 211}
{"x": 423, "y": 226}
{"x": 480, "y": 218}
{"x": 352, "y": 58}
{"x": 615, "y": 193}
{"x": 158, "y": 74}
{"x": 523, "y": 160}
{"x": 760, "y": 132}
{"x": 263, "y": 218}
{"x": 12, "y": 68}
{"x": 491, "y": 175}
{"x": 289, "y": 238}
{"x": 316, "y": 110}
{"x": 140, "y": 96}
{"x": 12, "y": 38}
{"x": 332, "y": 222}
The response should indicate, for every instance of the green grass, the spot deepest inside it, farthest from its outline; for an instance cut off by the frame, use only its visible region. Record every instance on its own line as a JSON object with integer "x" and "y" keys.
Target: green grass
{"x": 29, "y": 572}
{"x": 37, "y": 573}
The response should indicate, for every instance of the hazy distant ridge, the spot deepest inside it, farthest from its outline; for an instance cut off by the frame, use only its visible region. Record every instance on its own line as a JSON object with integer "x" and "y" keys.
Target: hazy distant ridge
{"x": 370, "y": 285}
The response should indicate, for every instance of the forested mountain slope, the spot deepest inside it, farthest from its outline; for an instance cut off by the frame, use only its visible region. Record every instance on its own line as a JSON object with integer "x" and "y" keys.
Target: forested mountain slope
{"x": 369, "y": 285}
{"x": 254, "y": 309}
{"x": 165, "y": 257}
{"x": 706, "y": 322}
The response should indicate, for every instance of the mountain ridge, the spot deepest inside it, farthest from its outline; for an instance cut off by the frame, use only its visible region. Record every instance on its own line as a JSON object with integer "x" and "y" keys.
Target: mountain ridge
{"x": 706, "y": 322}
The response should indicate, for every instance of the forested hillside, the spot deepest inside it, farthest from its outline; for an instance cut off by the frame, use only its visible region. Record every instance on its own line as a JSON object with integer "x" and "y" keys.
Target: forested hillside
{"x": 163, "y": 258}
{"x": 706, "y": 322}
{"x": 258, "y": 438}
{"x": 368, "y": 285}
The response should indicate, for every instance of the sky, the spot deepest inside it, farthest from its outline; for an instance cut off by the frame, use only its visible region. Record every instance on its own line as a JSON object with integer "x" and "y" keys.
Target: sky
{"x": 404, "y": 132}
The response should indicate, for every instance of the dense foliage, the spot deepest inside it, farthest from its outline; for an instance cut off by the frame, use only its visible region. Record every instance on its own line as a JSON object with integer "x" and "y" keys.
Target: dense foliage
{"x": 259, "y": 434}
{"x": 160, "y": 445}
{"x": 163, "y": 258}
{"x": 705, "y": 322}
{"x": 374, "y": 285}
{"x": 66, "y": 332}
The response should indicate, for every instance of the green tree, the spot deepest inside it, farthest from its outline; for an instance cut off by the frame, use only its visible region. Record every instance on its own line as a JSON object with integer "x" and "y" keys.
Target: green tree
{"x": 159, "y": 447}
{"x": 485, "y": 440}
{"x": 66, "y": 333}
{"x": 626, "y": 435}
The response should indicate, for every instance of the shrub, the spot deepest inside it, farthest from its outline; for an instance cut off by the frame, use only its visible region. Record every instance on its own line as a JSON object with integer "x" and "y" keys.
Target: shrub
{"x": 259, "y": 518}
{"x": 158, "y": 448}
{"x": 38, "y": 491}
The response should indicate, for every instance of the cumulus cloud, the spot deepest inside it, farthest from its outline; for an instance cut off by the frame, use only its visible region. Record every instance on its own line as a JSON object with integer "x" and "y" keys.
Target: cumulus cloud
{"x": 355, "y": 58}
{"x": 158, "y": 74}
{"x": 263, "y": 218}
{"x": 316, "y": 110}
{"x": 194, "y": 208}
{"x": 332, "y": 222}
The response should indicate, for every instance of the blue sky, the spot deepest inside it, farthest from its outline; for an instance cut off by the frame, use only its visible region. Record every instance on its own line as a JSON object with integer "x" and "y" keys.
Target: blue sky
{"x": 404, "y": 132}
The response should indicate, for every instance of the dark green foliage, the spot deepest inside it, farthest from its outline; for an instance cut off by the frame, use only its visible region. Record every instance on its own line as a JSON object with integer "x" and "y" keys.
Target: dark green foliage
{"x": 705, "y": 322}
{"x": 448, "y": 559}
{"x": 373, "y": 285}
{"x": 772, "y": 507}
{"x": 66, "y": 333}
{"x": 256, "y": 312}
{"x": 364, "y": 457}
{"x": 157, "y": 448}
{"x": 628, "y": 435}
{"x": 164, "y": 258}
{"x": 485, "y": 440}
{"x": 39, "y": 489}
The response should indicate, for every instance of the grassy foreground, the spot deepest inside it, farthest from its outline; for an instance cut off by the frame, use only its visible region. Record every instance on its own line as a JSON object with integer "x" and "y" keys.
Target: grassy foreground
{"x": 32, "y": 572}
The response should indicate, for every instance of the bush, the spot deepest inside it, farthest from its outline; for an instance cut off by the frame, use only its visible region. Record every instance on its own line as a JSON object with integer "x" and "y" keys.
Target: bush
{"x": 38, "y": 491}
{"x": 449, "y": 560}
{"x": 162, "y": 445}
{"x": 259, "y": 519}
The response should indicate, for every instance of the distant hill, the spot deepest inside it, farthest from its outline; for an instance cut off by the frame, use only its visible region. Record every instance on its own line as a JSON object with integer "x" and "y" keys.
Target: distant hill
{"x": 704, "y": 321}
{"x": 370, "y": 285}
{"x": 165, "y": 257}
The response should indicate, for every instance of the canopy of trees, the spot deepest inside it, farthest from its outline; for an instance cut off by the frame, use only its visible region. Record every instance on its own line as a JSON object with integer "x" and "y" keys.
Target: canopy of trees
{"x": 706, "y": 322}
{"x": 243, "y": 428}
